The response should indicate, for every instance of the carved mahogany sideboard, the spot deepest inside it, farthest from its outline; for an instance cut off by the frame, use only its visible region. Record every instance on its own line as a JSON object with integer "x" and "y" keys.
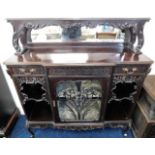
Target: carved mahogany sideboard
{"x": 78, "y": 79}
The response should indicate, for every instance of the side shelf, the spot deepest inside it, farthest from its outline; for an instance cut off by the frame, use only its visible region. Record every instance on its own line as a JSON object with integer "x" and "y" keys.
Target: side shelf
{"x": 38, "y": 110}
{"x": 119, "y": 110}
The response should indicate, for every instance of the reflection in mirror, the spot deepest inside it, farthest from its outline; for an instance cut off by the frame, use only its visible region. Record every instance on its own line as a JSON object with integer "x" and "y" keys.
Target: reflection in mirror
{"x": 46, "y": 34}
{"x": 74, "y": 33}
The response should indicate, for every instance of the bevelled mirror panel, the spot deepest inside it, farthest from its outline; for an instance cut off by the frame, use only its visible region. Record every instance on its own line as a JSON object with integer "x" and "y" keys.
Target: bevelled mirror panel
{"x": 103, "y": 33}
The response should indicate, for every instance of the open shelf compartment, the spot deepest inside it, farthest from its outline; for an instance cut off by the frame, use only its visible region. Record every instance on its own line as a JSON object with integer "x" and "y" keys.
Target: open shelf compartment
{"x": 38, "y": 110}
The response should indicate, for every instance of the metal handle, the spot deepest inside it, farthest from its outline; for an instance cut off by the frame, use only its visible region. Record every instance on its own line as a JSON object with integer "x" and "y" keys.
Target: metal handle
{"x": 22, "y": 70}
{"x": 28, "y": 71}
{"x": 127, "y": 71}
{"x": 32, "y": 70}
{"x": 134, "y": 69}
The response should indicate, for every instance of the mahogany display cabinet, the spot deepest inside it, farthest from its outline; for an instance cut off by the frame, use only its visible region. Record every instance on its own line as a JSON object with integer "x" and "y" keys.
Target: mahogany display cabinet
{"x": 78, "y": 73}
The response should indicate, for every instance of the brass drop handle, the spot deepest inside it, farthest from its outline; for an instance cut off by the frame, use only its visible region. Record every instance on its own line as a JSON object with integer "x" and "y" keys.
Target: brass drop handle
{"x": 22, "y": 70}
{"x": 134, "y": 69}
{"x": 32, "y": 70}
{"x": 126, "y": 70}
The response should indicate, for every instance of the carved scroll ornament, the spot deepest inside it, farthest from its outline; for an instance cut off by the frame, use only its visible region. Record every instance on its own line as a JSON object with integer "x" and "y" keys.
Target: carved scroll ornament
{"x": 133, "y": 29}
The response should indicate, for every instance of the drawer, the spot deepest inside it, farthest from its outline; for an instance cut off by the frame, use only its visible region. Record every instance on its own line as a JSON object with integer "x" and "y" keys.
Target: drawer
{"x": 27, "y": 70}
{"x": 80, "y": 71}
{"x": 131, "y": 69}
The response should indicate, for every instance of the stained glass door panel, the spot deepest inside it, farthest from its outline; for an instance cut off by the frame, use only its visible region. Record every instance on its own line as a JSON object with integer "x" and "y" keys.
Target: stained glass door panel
{"x": 79, "y": 100}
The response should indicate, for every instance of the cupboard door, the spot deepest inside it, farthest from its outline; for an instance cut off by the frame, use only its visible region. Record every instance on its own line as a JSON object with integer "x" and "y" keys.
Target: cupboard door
{"x": 79, "y": 100}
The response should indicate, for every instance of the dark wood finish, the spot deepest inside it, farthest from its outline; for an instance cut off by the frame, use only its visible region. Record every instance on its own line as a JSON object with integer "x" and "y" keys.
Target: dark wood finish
{"x": 109, "y": 67}
{"x": 43, "y": 66}
{"x": 8, "y": 111}
{"x": 92, "y": 59}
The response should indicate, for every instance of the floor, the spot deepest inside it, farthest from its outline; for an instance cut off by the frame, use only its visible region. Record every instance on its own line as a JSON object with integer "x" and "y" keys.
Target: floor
{"x": 20, "y": 131}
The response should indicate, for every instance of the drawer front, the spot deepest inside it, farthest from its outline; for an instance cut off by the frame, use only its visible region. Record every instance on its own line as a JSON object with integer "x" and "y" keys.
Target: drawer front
{"x": 131, "y": 69}
{"x": 27, "y": 70}
{"x": 80, "y": 71}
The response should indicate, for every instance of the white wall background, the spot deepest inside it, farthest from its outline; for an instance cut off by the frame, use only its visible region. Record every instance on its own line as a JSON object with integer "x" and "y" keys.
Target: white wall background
{"x": 72, "y": 9}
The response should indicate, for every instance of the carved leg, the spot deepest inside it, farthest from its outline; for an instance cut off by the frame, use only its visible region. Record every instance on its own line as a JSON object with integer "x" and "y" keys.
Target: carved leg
{"x": 140, "y": 36}
{"x": 133, "y": 37}
{"x": 127, "y": 40}
{"x": 31, "y": 132}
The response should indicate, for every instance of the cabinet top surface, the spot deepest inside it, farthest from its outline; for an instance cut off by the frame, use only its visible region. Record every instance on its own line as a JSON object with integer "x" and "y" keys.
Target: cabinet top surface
{"x": 78, "y": 59}
{"x": 72, "y": 19}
